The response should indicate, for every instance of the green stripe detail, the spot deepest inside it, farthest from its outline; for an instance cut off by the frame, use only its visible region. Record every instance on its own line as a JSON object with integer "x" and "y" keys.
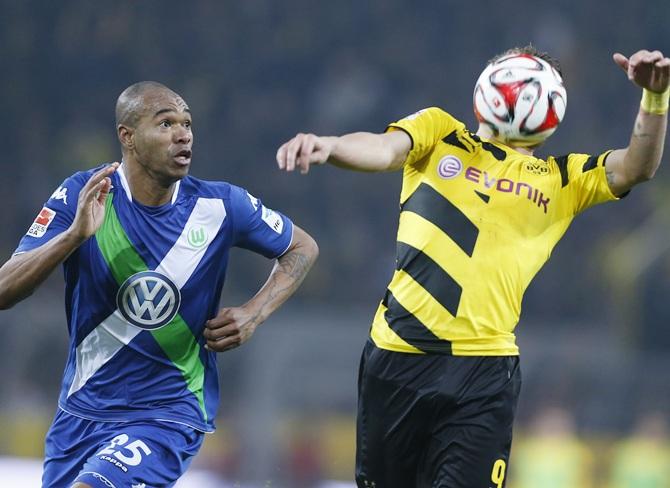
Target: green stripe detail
{"x": 175, "y": 339}
{"x": 116, "y": 248}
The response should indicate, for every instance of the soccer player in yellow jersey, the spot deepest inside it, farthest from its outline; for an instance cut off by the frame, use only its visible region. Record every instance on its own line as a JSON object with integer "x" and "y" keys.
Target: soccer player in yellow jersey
{"x": 439, "y": 377}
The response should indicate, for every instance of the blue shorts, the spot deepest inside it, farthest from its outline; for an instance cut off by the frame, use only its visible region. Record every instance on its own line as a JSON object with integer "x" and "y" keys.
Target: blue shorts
{"x": 135, "y": 454}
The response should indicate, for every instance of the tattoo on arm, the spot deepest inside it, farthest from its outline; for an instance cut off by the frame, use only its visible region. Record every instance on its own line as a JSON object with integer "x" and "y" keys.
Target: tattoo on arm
{"x": 639, "y": 132}
{"x": 293, "y": 264}
{"x": 610, "y": 177}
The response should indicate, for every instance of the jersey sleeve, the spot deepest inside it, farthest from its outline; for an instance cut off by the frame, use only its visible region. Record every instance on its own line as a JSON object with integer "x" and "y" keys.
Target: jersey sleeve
{"x": 258, "y": 228}
{"x": 56, "y": 215}
{"x": 426, "y": 128}
{"x": 585, "y": 176}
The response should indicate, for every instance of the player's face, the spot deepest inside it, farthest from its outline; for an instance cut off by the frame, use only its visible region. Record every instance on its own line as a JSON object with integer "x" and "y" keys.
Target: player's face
{"x": 163, "y": 137}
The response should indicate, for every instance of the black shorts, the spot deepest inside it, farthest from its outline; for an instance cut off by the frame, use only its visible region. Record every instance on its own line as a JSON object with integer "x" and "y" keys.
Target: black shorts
{"x": 434, "y": 421}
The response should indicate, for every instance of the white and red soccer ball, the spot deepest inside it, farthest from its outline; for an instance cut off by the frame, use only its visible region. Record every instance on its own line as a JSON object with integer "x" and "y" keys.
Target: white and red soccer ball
{"x": 521, "y": 98}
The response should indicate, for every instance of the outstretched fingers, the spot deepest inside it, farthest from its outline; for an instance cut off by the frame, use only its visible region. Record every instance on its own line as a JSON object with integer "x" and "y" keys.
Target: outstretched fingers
{"x": 301, "y": 152}
{"x": 306, "y": 150}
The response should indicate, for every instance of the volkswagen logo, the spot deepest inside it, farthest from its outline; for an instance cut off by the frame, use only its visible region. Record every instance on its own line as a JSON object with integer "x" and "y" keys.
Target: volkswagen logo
{"x": 148, "y": 300}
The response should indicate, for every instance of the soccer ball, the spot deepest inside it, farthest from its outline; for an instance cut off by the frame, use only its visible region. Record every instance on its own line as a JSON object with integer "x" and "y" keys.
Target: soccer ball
{"x": 521, "y": 98}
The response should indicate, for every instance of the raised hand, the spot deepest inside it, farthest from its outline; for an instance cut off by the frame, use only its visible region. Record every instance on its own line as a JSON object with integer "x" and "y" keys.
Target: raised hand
{"x": 647, "y": 69}
{"x": 304, "y": 150}
{"x": 91, "y": 203}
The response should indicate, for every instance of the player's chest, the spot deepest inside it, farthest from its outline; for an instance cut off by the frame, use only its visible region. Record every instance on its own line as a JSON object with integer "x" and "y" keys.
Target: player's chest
{"x": 173, "y": 242}
{"x": 491, "y": 187}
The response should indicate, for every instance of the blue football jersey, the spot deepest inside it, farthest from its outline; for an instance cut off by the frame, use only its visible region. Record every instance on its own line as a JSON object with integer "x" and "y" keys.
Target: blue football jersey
{"x": 138, "y": 294}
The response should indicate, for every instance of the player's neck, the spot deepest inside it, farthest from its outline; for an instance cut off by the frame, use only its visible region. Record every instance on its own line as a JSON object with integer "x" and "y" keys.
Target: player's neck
{"x": 144, "y": 187}
{"x": 485, "y": 133}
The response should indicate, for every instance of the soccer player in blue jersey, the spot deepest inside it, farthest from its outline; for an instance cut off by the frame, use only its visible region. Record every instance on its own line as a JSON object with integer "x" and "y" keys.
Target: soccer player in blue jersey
{"x": 479, "y": 215}
{"x": 144, "y": 247}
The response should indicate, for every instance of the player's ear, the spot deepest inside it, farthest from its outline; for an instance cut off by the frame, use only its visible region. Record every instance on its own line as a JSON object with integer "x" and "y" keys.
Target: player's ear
{"x": 126, "y": 136}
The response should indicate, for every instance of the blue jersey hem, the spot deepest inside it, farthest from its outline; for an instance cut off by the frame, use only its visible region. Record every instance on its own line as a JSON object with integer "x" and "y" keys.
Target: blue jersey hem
{"x": 131, "y": 416}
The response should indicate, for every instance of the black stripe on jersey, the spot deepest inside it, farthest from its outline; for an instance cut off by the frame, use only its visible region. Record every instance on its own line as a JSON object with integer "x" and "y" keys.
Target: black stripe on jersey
{"x": 435, "y": 208}
{"x": 590, "y": 164}
{"x": 498, "y": 153}
{"x": 453, "y": 140}
{"x": 410, "y": 329}
{"x": 430, "y": 276}
{"x": 483, "y": 196}
{"x": 562, "y": 163}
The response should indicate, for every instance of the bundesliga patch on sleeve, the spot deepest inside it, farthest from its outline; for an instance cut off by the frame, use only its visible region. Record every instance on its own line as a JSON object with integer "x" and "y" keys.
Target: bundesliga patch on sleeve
{"x": 273, "y": 219}
{"x": 41, "y": 223}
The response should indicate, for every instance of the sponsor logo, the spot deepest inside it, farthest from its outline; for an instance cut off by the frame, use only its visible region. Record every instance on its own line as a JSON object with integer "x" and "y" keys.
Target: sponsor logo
{"x": 148, "y": 300}
{"x": 138, "y": 485}
{"x": 449, "y": 167}
{"x": 505, "y": 185}
{"x": 115, "y": 463}
{"x": 60, "y": 194}
{"x": 197, "y": 237}
{"x": 537, "y": 168}
{"x": 41, "y": 222}
{"x": 273, "y": 220}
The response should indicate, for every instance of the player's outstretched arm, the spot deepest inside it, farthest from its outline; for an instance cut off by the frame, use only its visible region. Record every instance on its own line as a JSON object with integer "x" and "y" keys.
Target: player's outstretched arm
{"x": 23, "y": 273}
{"x": 649, "y": 70}
{"x": 360, "y": 151}
{"x": 235, "y": 325}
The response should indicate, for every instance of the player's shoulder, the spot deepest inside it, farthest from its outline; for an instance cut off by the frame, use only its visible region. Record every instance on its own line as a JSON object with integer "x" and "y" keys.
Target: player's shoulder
{"x": 197, "y": 187}
{"x": 70, "y": 187}
{"x": 430, "y": 114}
{"x": 574, "y": 165}
{"x": 584, "y": 161}
{"x": 81, "y": 177}
{"x": 224, "y": 190}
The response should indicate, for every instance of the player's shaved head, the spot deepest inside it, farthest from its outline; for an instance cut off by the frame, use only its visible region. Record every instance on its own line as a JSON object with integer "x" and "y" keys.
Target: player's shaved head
{"x": 132, "y": 103}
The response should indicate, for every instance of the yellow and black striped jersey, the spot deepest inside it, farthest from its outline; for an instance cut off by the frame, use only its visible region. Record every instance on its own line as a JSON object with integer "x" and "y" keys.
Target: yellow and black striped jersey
{"x": 477, "y": 221}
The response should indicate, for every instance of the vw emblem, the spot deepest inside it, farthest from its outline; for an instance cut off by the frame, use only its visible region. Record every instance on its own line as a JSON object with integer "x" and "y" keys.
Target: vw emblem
{"x": 148, "y": 300}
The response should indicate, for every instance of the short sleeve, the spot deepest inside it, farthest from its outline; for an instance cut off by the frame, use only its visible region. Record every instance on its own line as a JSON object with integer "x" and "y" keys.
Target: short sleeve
{"x": 56, "y": 215}
{"x": 258, "y": 228}
{"x": 584, "y": 175}
{"x": 426, "y": 128}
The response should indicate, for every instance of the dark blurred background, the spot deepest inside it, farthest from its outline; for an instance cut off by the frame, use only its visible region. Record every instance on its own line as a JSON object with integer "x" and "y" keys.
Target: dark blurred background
{"x": 595, "y": 333}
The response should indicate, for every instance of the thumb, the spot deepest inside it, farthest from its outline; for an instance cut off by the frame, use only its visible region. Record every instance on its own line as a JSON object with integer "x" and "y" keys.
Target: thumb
{"x": 319, "y": 155}
{"x": 621, "y": 60}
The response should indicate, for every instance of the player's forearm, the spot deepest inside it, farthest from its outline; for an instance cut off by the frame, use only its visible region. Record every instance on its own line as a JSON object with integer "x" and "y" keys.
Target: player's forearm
{"x": 288, "y": 273}
{"x": 365, "y": 151}
{"x": 23, "y": 273}
{"x": 643, "y": 155}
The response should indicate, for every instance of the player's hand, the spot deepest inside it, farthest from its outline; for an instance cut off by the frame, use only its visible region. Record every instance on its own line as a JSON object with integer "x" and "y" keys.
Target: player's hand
{"x": 91, "y": 203}
{"x": 230, "y": 328}
{"x": 304, "y": 150}
{"x": 647, "y": 69}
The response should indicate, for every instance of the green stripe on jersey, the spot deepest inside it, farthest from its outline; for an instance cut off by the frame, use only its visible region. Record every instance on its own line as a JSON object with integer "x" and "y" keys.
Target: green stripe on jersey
{"x": 175, "y": 339}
